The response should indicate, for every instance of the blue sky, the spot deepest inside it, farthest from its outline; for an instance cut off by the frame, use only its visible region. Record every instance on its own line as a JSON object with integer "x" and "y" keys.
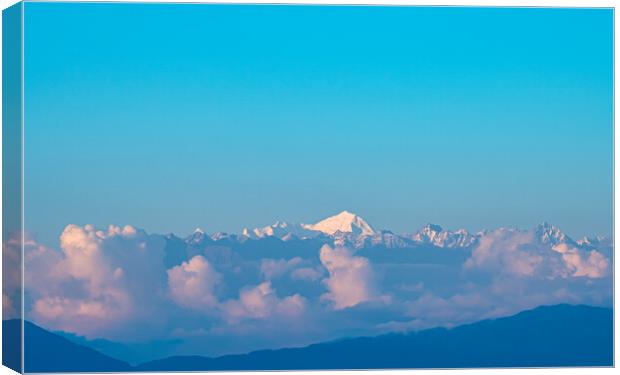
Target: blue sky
{"x": 168, "y": 117}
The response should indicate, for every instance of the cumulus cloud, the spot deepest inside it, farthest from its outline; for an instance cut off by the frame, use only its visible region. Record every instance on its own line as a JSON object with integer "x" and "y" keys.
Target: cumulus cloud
{"x": 307, "y": 274}
{"x": 590, "y": 264}
{"x": 518, "y": 253}
{"x": 271, "y": 268}
{"x": 350, "y": 280}
{"x": 260, "y": 302}
{"x": 192, "y": 284}
{"x": 98, "y": 283}
{"x": 8, "y": 310}
{"x": 11, "y": 276}
{"x": 506, "y": 251}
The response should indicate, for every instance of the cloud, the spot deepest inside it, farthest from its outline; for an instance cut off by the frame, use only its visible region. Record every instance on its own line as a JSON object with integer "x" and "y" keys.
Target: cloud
{"x": 124, "y": 284}
{"x": 307, "y": 274}
{"x": 271, "y": 268}
{"x": 11, "y": 275}
{"x": 519, "y": 253}
{"x": 8, "y": 310}
{"x": 578, "y": 262}
{"x": 350, "y": 280}
{"x": 100, "y": 283}
{"x": 506, "y": 251}
{"x": 192, "y": 284}
{"x": 261, "y": 302}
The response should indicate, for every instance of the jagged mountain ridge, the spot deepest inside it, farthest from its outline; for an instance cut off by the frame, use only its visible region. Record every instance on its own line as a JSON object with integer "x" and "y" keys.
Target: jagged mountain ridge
{"x": 349, "y": 229}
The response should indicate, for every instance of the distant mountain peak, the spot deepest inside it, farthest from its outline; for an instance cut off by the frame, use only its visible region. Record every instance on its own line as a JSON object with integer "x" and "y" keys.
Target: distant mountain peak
{"x": 280, "y": 229}
{"x": 435, "y": 235}
{"x": 348, "y": 229}
{"x": 550, "y": 234}
{"x": 593, "y": 241}
{"x": 344, "y": 222}
{"x": 430, "y": 227}
{"x": 197, "y": 236}
{"x": 217, "y": 236}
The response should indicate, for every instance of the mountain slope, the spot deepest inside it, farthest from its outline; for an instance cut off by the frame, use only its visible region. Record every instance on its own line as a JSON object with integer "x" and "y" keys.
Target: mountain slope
{"x": 345, "y": 222}
{"x": 350, "y": 230}
{"x": 435, "y": 235}
{"x": 48, "y": 352}
{"x": 548, "y": 336}
{"x": 560, "y": 335}
{"x": 11, "y": 344}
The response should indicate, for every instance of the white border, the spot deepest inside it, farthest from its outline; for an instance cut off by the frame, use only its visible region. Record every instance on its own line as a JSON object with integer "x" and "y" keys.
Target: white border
{"x": 490, "y": 3}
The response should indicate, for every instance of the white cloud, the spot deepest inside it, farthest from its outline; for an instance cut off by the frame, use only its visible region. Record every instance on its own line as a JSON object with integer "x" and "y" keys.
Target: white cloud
{"x": 306, "y": 274}
{"x": 590, "y": 264}
{"x": 8, "y": 310}
{"x": 506, "y": 251}
{"x": 100, "y": 283}
{"x": 518, "y": 253}
{"x": 11, "y": 276}
{"x": 350, "y": 280}
{"x": 271, "y": 268}
{"x": 192, "y": 284}
{"x": 261, "y": 302}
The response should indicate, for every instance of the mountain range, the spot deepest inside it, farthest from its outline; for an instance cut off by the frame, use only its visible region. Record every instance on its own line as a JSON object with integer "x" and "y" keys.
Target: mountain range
{"x": 351, "y": 230}
{"x": 548, "y": 336}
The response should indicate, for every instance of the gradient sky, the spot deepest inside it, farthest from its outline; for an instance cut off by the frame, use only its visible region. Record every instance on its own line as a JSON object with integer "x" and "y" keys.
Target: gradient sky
{"x": 169, "y": 117}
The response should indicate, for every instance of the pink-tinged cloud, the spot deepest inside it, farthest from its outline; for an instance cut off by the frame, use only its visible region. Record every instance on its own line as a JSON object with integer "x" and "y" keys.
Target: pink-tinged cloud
{"x": 350, "y": 280}
{"x": 260, "y": 302}
{"x": 192, "y": 284}
{"x": 11, "y": 275}
{"x": 271, "y": 268}
{"x": 518, "y": 253}
{"x": 582, "y": 263}
{"x": 307, "y": 274}
{"x": 100, "y": 283}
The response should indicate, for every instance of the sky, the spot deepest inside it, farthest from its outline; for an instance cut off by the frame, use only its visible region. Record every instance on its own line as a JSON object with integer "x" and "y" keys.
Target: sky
{"x": 171, "y": 117}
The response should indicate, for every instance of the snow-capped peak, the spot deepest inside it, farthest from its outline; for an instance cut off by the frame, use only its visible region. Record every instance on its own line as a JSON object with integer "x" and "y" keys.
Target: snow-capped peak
{"x": 197, "y": 236}
{"x": 429, "y": 233}
{"x": 344, "y": 222}
{"x": 280, "y": 229}
{"x": 550, "y": 234}
{"x": 591, "y": 241}
{"x": 435, "y": 235}
{"x": 595, "y": 242}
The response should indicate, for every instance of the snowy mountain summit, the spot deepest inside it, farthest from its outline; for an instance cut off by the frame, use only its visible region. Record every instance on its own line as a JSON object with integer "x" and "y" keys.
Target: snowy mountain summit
{"x": 279, "y": 229}
{"x": 349, "y": 230}
{"x": 550, "y": 234}
{"x": 344, "y": 222}
{"x": 435, "y": 235}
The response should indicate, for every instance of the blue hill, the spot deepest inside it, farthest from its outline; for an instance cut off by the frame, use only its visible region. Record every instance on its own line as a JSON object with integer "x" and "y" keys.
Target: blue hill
{"x": 48, "y": 352}
{"x": 548, "y": 336}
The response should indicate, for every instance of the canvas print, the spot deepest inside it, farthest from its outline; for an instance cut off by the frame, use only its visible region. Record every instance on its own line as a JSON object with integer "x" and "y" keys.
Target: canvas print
{"x": 199, "y": 187}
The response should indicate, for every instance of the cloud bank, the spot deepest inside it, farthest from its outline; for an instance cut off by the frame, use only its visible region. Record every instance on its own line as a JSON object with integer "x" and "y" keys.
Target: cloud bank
{"x": 218, "y": 297}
